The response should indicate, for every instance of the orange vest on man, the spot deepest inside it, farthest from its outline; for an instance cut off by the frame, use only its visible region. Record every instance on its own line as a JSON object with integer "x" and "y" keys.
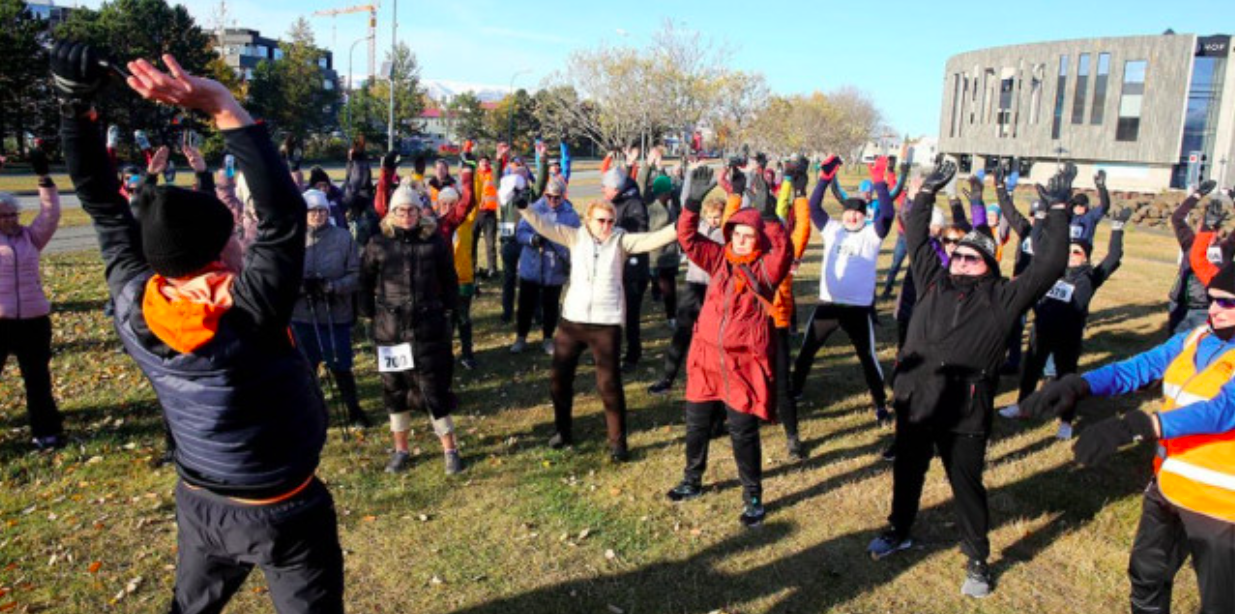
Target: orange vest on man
{"x": 488, "y": 191}
{"x": 1197, "y": 472}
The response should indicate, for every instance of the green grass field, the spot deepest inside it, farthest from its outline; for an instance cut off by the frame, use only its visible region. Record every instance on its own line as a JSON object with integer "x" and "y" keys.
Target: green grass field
{"x": 530, "y": 530}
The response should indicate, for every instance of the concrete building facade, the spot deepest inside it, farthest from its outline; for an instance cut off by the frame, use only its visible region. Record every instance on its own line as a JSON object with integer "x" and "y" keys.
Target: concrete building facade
{"x": 1138, "y": 107}
{"x": 243, "y": 49}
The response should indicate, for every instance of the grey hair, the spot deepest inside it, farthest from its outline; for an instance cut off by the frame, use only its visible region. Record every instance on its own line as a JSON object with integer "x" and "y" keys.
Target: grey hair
{"x": 448, "y": 195}
{"x": 613, "y": 179}
{"x": 8, "y": 201}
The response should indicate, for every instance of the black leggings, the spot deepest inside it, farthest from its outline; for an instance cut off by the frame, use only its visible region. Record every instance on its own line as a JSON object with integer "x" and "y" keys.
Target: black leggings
{"x": 1067, "y": 350}
{"x": 786, "y": 407}
{"x": 486, "y": 227}
{"x": 635, "y": 280}
{"x": 667, "y": 283}
{"x": 30, "y": 340}
{"x": 463, "y": 321}
{"x": 964, "y": 458}
{"x": 549, "y": 299}
{"x": 744, "y": 434}
{"x": 688, "y": 312}
{"x": 605, "y": 342}
{"x": 858, "y": 324}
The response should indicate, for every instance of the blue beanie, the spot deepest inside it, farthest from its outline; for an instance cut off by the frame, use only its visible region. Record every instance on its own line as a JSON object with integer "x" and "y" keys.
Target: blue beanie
{"x": 866, "y": 186}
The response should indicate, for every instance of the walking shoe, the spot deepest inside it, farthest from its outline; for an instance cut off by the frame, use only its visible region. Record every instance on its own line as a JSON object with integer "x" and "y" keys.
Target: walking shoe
{"x": 753, "y": 513}
{"x": 619, "y": 454}
{"x": 673, "y": 324}
{"x": 400, "y": 461}
{"x": 518, "y": 346}
{"x": 1012, "y": 412}
{"x": 547, "y": 345}
{"x": 1065, "y": 432}
{"x": 889, "y": 453}
{"x": 454, "y": 464}
{"x": 887, "y": 544}
{"x": 977, "y": 579}
{"x": 559, "y": 441}
{"x": 660, "y": 387}
{"x": 468, "y": 363}
{"x": 684, "y": 491}
{"x": 797, "y": 452}
{"x": 883, "y": 417}
{"x": 49, "y": 442}
{"x": 359, "y": 420}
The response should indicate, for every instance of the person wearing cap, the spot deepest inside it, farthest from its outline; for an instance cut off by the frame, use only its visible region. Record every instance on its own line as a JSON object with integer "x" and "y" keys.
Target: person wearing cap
{"x": 656, "y": 187}
{"x": 1188, "y": 305}
{"x": 622, "y": 192}
{"x": 544, "y": 266}
{"x": 25, "y": 320}
{"x": 868, "y": 194}
{"x": 592, "y": 312}
{"x": 1188, "y": 509}
{"x": 847, "y": 281}
{"x": 1060, "y": 317}
{"x": 947, "y": 373}
{"x": 455, "y": 208}
{"x": 1085, "y": 219}
{"x": 409, "y": 288}
{"x": 322, "y": 318}
{"x": 729, "y": 365}
{"x": 248, "y": 419}
{"x": 319, "y": 180}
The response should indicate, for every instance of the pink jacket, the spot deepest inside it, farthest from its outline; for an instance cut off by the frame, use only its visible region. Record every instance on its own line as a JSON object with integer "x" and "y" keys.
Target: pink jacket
{"x": 21, "y": 289}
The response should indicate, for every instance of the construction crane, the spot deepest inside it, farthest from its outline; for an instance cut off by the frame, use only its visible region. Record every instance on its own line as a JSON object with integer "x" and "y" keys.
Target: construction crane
{"x": 372, "y": 9}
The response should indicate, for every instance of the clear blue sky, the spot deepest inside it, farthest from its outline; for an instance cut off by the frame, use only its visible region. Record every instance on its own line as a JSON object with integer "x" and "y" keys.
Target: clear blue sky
{"x": 894, "y": 50}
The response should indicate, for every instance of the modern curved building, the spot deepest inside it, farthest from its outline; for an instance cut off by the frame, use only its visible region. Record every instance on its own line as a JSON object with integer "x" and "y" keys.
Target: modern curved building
{"x": 1155, "y": 112}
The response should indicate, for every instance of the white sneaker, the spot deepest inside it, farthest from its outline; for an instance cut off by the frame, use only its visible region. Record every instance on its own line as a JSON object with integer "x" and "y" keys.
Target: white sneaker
{"x": 1012, "y": 411}
{"x": 1065, "y": 432}
{"x": 548, "y": 346}
{"x": 518, "y": 346}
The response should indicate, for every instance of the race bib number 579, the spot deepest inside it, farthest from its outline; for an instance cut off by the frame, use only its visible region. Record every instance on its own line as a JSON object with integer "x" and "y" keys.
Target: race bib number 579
{"x": 1062, "y": 291}
{"x": 394, "y": 358}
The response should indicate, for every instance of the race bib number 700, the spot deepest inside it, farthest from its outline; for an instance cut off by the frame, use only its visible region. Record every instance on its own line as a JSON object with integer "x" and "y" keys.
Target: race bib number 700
{"x": 394, "y": 358}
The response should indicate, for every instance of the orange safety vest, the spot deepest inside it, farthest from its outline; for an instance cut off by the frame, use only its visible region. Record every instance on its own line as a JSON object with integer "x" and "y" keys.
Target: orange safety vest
{"x": 1197, "y": 472}
{"x": 488, "y": 191}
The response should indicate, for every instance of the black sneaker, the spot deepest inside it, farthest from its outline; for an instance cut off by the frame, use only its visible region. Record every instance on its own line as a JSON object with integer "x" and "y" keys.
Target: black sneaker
{"x": 400, "y": 461}
{"x": 660, "y": 387}
{"x": 685, "y": 491}
{"x": 889, "y": 453}
{"x": 753, "y": 513}
{"x": 360, "y": 420}
{"x": 49, "y": 442}
{"x": 468, "y": 363}
{"x": 797, "y": 453}
{"x": 883, "y": 417}
{"x": 559, "y": 441}
{"x": 977, "y": 579}
{"x": 454, "y": 463}
{"x": 887, "y": 544}
{"x": 619, "y": 454}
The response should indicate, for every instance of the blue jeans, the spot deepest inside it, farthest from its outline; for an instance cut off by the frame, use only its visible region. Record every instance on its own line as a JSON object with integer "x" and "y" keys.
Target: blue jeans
{"x": 898, "y": 258}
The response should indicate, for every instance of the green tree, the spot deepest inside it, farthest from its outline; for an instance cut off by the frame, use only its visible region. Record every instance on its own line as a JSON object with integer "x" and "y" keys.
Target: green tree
{"x": 471, "y": 117}
{"x": 291, "y": 92}
{"x": 24, "y": 92}
{"x": 514, "y": 119}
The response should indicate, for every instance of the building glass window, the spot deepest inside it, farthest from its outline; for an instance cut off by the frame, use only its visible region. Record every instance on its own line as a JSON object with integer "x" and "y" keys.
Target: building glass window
{"x": 1082, "y": 89}
{"x": 1061, "y": 91}
{"x": 263, "y": 51}
{"x": 1007, "y": 85}
{"x": 1035, "y": 94}
{"x": 1201, "y": 116}
{"x": 1130, "y": 98}
{"x": 956, "y": 96}
{"x": 278, "y": 53}
{"x": 960, "y": 129}
{"x": 1097, "y": 113}
{"x": 321, "y": 63}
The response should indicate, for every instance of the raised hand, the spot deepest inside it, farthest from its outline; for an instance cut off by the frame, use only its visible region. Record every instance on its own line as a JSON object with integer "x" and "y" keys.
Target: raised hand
{"x": 1215, "y": 214}
{"x": 702, "y": 180}
{"x": 975, "y": 189}
{"x": 78, "y": 70}
{"x": 1120, "y": 218}
{"x": 193, "y": 155}
{"x": 939, "y": 177}
{"x": 999, "y": 176}
{"x": 829, "y": 167}
{"x": 181, "y": 89}
{"x": 879, "y": 169}
{"x": 158, "y": 162}
{"x": 737, "y": 181}
{"x": 1059, "y": 189}
{"x": 1099, "y": 180}
{"x": 38, "y": 162}
{"x": 1206, "y": 187}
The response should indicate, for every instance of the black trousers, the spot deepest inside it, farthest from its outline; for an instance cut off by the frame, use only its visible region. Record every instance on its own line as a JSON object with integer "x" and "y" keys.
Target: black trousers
{"x": 486, "y": 227}
{"x": 531, "y": 295}
{"x": 859, "y": 326}
{"x": 1015, "y": 339}
{"x": 1164, "y": 539}
{"x": 605, "y": 343}
{"x": 510, "y": 275}
{"x": 786, "y": 407}
{"x": 667, "y": 285}
{"x": 679, "y": 344}
{"x": 964, "y": 458}
{"x": 426, "y": 388}
{"x": 635, "y": 282}
{"x": 1065, "y": 345}
{"x": 30, "y": 340}
{"x": 294, "y": 542}
{"x": 463, "y": 322}
{"x": 744, "y": 434}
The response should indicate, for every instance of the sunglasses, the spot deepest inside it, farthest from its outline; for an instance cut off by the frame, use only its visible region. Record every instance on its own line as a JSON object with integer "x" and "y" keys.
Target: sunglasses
{"x": 1077, "y": 252}
{"x": 967, "y": 258}
{"x": 947, "y": 241}
{"x": 603, "y": 220}
{"x": 553, "y": 197}
{"x": 1225, "y": 303}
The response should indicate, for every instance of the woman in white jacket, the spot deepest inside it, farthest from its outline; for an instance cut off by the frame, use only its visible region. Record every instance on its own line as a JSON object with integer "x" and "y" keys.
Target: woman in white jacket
{"x": 593, "y": 313}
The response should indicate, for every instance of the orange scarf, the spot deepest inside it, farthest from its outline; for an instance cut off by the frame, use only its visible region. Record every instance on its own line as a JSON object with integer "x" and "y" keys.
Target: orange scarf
{"x": 739, "y": 279}
{"x": 186, "y": 315}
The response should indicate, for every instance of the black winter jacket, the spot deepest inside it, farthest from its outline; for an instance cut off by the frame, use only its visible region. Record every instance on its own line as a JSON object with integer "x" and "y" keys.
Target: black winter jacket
{"x": 1055, "y": 316}
{"x": 948, "y": 370}
{"x": 632, "y": 216}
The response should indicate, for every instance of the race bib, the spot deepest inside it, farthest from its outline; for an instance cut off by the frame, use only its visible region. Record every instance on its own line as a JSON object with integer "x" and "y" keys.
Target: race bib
{"x": 1077, "y": 231}
{"x": 1027, "y": 246}
{"x": 507, "y": 229}
{"x": 394, "y": 358}
{"x": 1214, "y": 255}
{"x": 1062, "y": 291}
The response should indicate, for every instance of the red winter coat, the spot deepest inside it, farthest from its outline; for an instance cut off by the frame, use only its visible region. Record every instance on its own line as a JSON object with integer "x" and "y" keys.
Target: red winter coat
{"x": 730, "y": 356}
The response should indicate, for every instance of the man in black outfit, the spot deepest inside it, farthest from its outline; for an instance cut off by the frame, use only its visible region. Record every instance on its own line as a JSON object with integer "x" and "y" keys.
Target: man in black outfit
{"x": 947, "y": 373}
{"x": 632, "y": 216}
{"x": 248, "y": 419}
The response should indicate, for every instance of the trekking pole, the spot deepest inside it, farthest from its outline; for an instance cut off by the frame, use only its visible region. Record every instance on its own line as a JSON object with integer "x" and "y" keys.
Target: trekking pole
{"x": 341, "y": 411}
{"x": 335, "y": 359}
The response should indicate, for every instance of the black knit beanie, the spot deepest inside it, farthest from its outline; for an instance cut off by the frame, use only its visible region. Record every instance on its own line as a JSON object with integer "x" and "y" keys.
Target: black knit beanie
{"x": 317, "y": 175}
{"x": 853, "y": 204}
{"x": 982, "y": 241}
{"x": 1079, "y": 199}
{"x": 1085, "y": 245}
{"x": 182, "y": 230}
{"x": 1225, "y": 279}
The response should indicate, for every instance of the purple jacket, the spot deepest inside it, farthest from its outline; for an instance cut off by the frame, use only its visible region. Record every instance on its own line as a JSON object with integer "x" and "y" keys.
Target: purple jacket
{"x": 21, "y": 288}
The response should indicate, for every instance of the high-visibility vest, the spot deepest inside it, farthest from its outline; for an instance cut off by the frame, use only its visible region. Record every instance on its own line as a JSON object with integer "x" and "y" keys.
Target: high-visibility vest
{"x": 1197, "y": 472}
{"x": 488, "y": 198}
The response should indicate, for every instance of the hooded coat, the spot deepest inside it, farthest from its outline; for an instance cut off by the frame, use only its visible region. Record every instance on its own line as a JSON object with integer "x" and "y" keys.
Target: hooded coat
{"x": 731, "y": 350}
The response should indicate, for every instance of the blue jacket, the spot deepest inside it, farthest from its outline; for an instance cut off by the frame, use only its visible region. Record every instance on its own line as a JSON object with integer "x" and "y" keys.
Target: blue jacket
{"x": 1216, "y": 415}
{"x": 547, "y": 264}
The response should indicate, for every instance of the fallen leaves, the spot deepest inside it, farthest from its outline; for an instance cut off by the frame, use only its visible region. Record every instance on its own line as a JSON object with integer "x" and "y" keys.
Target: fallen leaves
{"x": 94, "y": 567}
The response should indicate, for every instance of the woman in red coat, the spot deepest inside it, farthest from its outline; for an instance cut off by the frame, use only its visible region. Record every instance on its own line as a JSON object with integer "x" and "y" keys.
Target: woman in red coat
{"x": 729, "y": 368}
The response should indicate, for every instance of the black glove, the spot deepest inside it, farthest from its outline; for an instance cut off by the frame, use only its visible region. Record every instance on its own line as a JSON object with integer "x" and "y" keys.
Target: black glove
{"x": 1230, "y": 193}
{"x": 701, "y": 181}
{"x": 1215, "y": 214}
{"x": 1059, "y": 189}
{"x": 1206, "y": 187}
{"x": 1120, "y": 218}
{"x": 737, "y": 179}
{"x": 939, "y": 177}
{"x": 761, "y": 198}
{"x": 537, "y": 241}
{"x": 1099, "y": 180}
{"x": 1098, "y": 442}
{"x": 390, "y": 161}
{"x": 520, "y": 199}
{"x": 999, "y": 175}
{"x": 313, "y": 286}
{"x": 1056, "y": 398}
{"x": 827, "y": 168}
{"x": 38, "y": 162}
{"x": 78, "y": 70}
{"x": 975, "y": 187}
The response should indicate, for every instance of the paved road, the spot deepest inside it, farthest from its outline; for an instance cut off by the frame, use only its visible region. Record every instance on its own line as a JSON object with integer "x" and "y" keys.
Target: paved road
{"x": 78, "y": 238}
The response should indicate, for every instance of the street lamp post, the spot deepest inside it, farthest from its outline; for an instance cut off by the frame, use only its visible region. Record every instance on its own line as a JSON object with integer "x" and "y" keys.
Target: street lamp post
{"x": 394, "y": 40}
{"x": 351, "y": 86}
{"x": 510, "y": 129}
